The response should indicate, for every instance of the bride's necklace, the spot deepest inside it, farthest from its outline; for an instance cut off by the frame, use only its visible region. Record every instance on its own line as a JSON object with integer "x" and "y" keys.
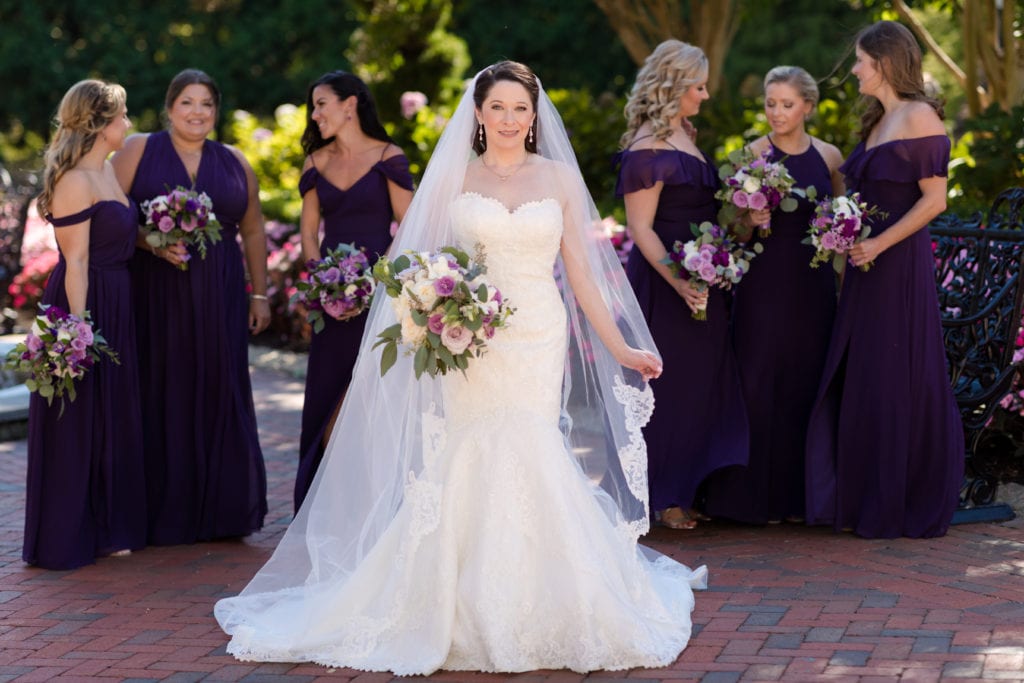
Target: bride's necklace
{"x": 505, "y": 176}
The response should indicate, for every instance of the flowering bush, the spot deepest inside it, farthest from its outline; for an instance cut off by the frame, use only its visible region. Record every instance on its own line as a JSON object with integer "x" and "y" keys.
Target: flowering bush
{"x": 58, "y": 350}
{"x": 446, "y": 310}
{"x": 838, "y": 224}
{"x": 712, "y": 259}
{"x": 39, "y": 256}
{"x": 340, "y": 285}
{"x": 181, "y": 215}
{"x": 754, "y": 183}
{"x": 621, "y": 241}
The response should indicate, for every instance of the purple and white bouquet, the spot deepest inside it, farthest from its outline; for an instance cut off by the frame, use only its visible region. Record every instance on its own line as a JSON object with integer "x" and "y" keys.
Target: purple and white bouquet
{"x": 446, "y": 310}
{"x": 58, "y": 350}
{"x": 753, "y": 182}
{"x": 181, "y": 215}
{"x": 711, "y": 259}
{"x": 838, "y": 224}
{"x": 340, "y": 284}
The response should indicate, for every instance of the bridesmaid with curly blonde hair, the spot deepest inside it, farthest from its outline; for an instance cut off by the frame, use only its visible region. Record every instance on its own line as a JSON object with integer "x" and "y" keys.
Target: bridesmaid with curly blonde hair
{"x": 85, "y": 493}
{"x": 700, "y": 422}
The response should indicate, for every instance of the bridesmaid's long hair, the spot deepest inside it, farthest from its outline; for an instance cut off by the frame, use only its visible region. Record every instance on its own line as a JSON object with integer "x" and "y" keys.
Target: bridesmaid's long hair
{"x": 191, "y": 77}
{"x": 505, "y": 71}
{"x": 897, "y": 57}
{"x": 668, "y": 72}
{"x": 344, "y": 85}
{"x": 86, "y": 109}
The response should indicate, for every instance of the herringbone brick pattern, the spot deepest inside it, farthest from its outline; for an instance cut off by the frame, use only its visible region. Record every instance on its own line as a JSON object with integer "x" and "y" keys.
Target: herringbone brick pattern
{"x": 786, "y": 603}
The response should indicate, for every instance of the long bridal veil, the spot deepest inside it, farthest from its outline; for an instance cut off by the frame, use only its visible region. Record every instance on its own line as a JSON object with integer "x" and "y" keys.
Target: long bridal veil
{"x": 389, "y": 425}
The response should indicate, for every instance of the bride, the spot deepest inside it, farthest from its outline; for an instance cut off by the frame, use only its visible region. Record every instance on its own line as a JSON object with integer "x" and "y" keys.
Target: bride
{"x": 488, "y": 521}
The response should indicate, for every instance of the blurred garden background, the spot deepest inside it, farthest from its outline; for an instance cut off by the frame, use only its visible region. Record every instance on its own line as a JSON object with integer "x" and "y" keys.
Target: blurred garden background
{"x": 416, "y": 55}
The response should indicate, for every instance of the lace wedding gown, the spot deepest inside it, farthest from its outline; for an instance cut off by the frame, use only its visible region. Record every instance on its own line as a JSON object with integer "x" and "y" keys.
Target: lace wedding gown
{"x": 503, "y": 556}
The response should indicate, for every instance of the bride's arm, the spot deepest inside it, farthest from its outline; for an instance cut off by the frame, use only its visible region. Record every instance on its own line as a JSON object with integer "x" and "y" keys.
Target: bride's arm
{"x": 588, "y": 295}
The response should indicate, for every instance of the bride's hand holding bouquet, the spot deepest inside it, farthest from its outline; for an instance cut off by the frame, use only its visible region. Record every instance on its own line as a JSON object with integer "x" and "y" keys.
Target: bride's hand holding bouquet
{"x": 446, "y": 310}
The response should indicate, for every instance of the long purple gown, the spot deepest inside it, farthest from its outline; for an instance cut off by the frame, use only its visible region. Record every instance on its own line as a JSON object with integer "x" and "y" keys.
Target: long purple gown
{"x": 204, "y": 468}
{"x": 885, "y": 446}
{"x": 782, "y": 321}
{"x": 85, "y": 493}
{"x": 700, "y": 421}
{"x": 361, "y": 215}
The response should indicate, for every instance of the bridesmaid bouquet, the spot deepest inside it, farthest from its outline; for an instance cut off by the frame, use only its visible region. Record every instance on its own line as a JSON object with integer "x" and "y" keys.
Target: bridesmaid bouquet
{"x": 181, "y": 215}
{"x": 752, "y": 182}
{"x": 59, "y": 349}
{"x": 446, "y": 310}
{"x": 340, "y": 284}
{"x": 838, "y": 224}
{"x": 711, "y": 259}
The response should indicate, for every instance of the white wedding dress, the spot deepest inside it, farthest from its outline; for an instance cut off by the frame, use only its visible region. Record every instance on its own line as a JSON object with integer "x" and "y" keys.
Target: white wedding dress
{"x": 503, "y": 555}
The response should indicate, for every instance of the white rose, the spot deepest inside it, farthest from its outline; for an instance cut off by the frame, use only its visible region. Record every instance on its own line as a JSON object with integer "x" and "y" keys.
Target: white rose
{"x": 401, "y": 305}
{"x": 412, "y": 334}
{"x": 751, "y": 184}
{"x": 425, "y": 292}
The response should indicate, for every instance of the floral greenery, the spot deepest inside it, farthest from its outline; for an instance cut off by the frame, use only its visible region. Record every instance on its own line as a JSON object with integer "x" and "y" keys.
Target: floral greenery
{"x": 987, "y": 159}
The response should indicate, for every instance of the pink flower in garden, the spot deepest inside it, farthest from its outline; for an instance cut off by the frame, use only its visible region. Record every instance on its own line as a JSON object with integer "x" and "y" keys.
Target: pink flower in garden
{"x": 411, "y": 102}
{"x": 456, "y": 338}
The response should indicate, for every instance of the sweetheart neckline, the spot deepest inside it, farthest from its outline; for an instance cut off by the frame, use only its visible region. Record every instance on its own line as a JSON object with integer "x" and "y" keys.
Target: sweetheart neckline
{"x": 501, "y": 204}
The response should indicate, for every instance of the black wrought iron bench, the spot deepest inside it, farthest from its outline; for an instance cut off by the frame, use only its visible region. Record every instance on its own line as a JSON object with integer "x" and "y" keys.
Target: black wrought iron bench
{"x": 978, "y": 262}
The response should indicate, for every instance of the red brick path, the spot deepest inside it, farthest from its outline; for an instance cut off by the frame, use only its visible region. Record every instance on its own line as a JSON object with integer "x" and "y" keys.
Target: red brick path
{"x": 786, "y": 603}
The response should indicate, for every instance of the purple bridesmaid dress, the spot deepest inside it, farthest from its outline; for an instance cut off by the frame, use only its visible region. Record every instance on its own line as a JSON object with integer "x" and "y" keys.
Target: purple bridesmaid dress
{"x": 85, "y": 494}
{"x": 782, "y": 320}
{"x": 361, "y": 215}
{"x": 885, "y": 446}
{"x": 204, "y": 468}
{"x": 700, "y": 422}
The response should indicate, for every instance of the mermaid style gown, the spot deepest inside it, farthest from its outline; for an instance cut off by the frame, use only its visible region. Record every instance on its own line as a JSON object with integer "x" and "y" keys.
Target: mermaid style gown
{"x": 885, "y": 446}
{"x": 501, "y": 556}
{"x": 85, "y": 495}
{"x": 204, "y": 467}
{"x": 360, "y": 215}
{"x": 700, "y": 420}
{"x": 782, "y": 321}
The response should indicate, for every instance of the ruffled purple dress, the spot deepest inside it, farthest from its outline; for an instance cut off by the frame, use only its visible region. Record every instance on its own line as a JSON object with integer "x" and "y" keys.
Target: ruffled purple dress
{"x": 361, "y": 215}
{"x": 204, "y": 468}
{"x": 700, "y": 421}
{"x": 782, "y": 321}
{"x": 85, "y": 495}
{"x": 885, "y": 445}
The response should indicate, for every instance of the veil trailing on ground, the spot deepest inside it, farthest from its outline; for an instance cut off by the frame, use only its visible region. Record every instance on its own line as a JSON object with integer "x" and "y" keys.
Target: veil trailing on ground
{"x": 389, "y": 425}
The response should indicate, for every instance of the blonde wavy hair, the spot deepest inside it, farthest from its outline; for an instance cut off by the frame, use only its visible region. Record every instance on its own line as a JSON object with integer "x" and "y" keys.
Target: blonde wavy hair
{"x": 668, "y": 72}
{"x": 86, "y": 109}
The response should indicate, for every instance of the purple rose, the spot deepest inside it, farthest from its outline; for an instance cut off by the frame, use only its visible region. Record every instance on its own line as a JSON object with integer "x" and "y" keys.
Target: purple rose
{"x": 828, "y": 241}
{"x": 707, "y": 272}
{"x": 55, "y": 313}
{"x": 34, "y": 343}
{"x": 330, "y": 275}
{"x": 166, "y": 224}
{"x": 78, "y": 345}
{"x": 456, "y": 338}
{"x": 444, "y": 286}
{"x": 741, "y": 199}
{"x": 720, "y": 258}
{"x": 435, "y": 323}
{"x": 84, "y": 330}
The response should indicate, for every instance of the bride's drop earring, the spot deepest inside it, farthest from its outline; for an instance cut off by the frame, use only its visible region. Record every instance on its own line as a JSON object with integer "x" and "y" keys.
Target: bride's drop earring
{"x": 529, "y": 137}
{"x": 481, "y": 133}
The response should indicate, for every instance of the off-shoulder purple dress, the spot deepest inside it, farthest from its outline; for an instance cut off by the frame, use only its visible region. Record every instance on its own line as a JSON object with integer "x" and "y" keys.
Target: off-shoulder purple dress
{"x": 782, "y": 321}
{"x": 361, "y": 215}
{"x": 700, "y": 421}
{"x": 85, "y": 495}
{"x": 885, "y": 446}
{"x": 204, "y": 467}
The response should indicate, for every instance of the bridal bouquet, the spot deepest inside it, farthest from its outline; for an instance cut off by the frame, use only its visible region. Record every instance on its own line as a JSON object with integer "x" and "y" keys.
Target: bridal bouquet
{"x": 838, "y": 224}
{"x": 446, "y": 310}
{"x": 181, "y": 215}
{"x": 712, "y": 258}
{"x": 59, "y": 349}
{"x": 752, "y": 182}
{"x": 340, "y": 284}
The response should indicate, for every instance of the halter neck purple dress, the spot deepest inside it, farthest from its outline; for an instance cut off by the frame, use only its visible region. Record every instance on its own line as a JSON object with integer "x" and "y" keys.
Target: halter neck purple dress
{"x": 700, "y": 421}
{"x": 362, "y": 215}
{"x": 782, "y": 321}
{"x": 204, "y": 467}
{"x": 885, "y": 446}
{"x": 85, "y": 495}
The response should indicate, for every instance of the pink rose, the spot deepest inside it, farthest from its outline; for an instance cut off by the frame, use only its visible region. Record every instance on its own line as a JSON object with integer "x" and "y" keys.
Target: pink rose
{"x": 757, "y": 201}
{"x": 456, "y": 338}
{"x": 707, "y": 272}
{"x": 166, "y": 224}
{"x": 741, "y": 199}
{"x": 189, "y": 223}
{"x": 334, "y": 307}
{"x": 435, "y": 323}
{"x": 84, "y": 330}
{"x": 828, "y": 241}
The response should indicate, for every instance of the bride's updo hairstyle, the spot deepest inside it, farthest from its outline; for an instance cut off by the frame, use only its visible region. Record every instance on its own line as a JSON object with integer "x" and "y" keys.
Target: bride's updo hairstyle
{"x": 505, "y": 71}
{"x": 668, "y": 72}
{"x": 897, "y": 57}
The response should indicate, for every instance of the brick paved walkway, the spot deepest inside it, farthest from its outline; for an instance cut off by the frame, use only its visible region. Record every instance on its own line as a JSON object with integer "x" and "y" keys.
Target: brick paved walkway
{"x": 786, "y": 603}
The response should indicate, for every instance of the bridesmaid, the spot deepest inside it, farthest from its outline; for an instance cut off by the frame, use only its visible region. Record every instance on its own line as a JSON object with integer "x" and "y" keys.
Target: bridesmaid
{"x": 782, "y": 318}
{"x": 85, "y": 495}
{"x": 204, "y": 468}
{"x": 885, "y": 445}
{"x": 700, "y": 423}
{"x": 356, "y": 180}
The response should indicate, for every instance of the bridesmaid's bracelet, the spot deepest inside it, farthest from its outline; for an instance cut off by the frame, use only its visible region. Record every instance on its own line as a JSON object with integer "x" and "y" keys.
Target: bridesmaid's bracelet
{"x": 258, "y": 297}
